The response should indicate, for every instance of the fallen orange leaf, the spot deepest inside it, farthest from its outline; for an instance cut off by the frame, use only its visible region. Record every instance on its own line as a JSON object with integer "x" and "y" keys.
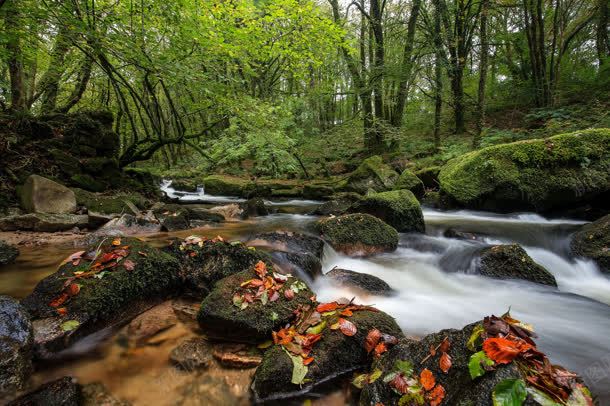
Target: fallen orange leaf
{"x": 327, "y": 307}
{"x": 502, "y": 350}
{"x": 372, "y": 339}
{"x": 347, "y": 327}
{"x": 437, "y": 395}
{"x": 426, "y": 378}
{"x": 444, "y": 362}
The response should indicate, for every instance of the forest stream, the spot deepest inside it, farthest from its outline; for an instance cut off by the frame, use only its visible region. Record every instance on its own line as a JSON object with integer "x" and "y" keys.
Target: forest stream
{"x": 432, "y": 275}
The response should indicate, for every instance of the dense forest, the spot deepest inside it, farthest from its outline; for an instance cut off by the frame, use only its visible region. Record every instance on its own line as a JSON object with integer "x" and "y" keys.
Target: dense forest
{"x": 304, "y": 202}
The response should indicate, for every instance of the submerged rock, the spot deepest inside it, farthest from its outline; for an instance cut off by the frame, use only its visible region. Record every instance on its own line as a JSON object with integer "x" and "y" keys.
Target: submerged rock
{"x": 409, "y": 181}
{"x": 192, "y": 354}
{"x": 358, "y": 234}
{"x": 16, "y": 341}
{"x": 254, "y": 207}
{"x": 289, "y": 242}
{"x": 234, "y": 355}
{"x": 151, "y": 322}
{"x": 593, "y": 241}
{"x": 96, "y": 394}
{"x": 208, "y": 390}
{"x": 227, "y": 314}
{"x": 512, "y": 262}
{"x": 335, "y": 207}
{"x": 544, "y": 174}
{"x": 398, "y": 208}
{"x": 91, "y": 292}
{"x": 61, "y": 392}
{"x": 372, "y": 174}
{"x": 43, "y": 222}
{"x": 334, "y": 356}
{"x": 42, "y": 195}
{"x": 362, "y": 282}
{"x": 173, "y": 217}
{"x": 8, "y": 253}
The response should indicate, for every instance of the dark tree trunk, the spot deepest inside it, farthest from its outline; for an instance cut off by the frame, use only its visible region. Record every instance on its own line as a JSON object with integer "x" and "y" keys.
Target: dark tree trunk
{"x": 438, "y": 78}
{"x": 602, "y": 43}
{"x": 476, "y": 142}
{"x": 12, "y": 26}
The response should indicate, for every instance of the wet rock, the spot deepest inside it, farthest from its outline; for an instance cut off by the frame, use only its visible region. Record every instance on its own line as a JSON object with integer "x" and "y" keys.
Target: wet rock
{"x": 358, "y": 234}
{"x": 16, "y": 341}
{"x": 173, "y": 217}
{"x": 362, "y": 282}
{"x": 593, "y": 241}
{"x": 96, "y": 394}
{"x": 460, "y": 389}
{"x": 208, "y": 390}
{"x": 192, "y": 354}
{"x": 302, "y": 264}
{"x": 43, "y": 222}
{"x": 253, "y": 208}
{"x": 186, "y": 311}
{"x": 288, "y": 241}
{"x": 372, "y": 174}
{"x": 334, "y": 207}
{"x": 127, "y": 225}
{"x": 409, "y": 181}
{"x": 64, "y": 312}
{"x": 109, "y": 204}
{"x": 203, "y": 216}
{"x": 8, "y": 253}
{"x": 317, "y": 190}
{"x": 231, "y": 211}
{"x": 398, "y": 208}
{"x": 429, "y": 176}
{"x": 97, "y": 220}
{"x": 335, "y": 355}
{"x": 42, "y": 195}
{"x": 512, "y": 262}
{"x": 221, "y": 318}
{"x": 203, "y": 266}
{"x": 460, "y": 235}
{"x": 240, "y": 356}
{"x": 61, "y": 392}
{"x": 151, "y": 322}
{"x": 223, "y": 185}
{"x": 544, "y": 174}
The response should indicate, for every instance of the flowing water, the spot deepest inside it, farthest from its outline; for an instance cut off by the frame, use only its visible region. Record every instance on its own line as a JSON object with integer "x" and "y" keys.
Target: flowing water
{"x": 433, "y": 276}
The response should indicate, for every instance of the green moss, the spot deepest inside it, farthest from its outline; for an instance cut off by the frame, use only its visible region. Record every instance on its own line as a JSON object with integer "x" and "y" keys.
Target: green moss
{"x": 408, "y": 180}
{"x": 512, "y": 262}
{"x": 373, "y": 174}
{"x": 354, "y": 232}
{"x": 224, "y": 185}
{"x": 87, "y": 182}
{"x": 535, "y": 174}
{"x": 429, "y": 176}
{"x": 593, "y": 241}
{"x": 108, "y": 204}
{"x": 398, "y": 208}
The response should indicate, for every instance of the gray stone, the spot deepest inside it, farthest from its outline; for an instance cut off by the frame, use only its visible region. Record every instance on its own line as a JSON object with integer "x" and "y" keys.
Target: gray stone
{"x": 359, "y": 281}
{"x": 42, "y": 195}
{"x": 8, "y": 253}
{"x": 44, "y": 222}
{"x": 192, "y": 354}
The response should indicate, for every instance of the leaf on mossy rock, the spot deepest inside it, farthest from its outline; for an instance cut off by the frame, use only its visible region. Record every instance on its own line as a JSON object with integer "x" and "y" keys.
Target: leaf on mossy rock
{"x": 444, "y": 362}
{"x": 541, "y": 398}
{"x": 70, "y": 325}
{"x": 299, "y": 370}
{"x": 478, "y": 364}
{"x": 475, "y": 338}
{"x": 509, "y": 392}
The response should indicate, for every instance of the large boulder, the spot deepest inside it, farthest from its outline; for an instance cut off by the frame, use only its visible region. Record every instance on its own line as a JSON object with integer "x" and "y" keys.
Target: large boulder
{"x": 43, "y": 222}
{"x": 429, "y": 176}
{"x": 173, "y": 217}
{"x": 398, "y": 208}
{"x": 16, "y": 341}
{"x": 254, "y": 207}
{"x": 247, "y": 306}
{"x": 510, "y": 261}
{"x": 372, "y": 174}
{"x": 224, "y": 185}
{"x": 114, "y": 204}
{"x": 337, "y": 350}
{"x": 109, "y": 283}
{"x": 441, "y": 366}
{"x": 543, "y": 174}
{"x": 204, "y": 262}
{"x": 360, "y": 282}
{"x": 358, "y": 234}
{"x": 60, "y": 392}
{"x": 8, "y": 253}
{"x": 409, "y": 181}
{"x": 593, "y": 241}
{"x": 42, "y": 195}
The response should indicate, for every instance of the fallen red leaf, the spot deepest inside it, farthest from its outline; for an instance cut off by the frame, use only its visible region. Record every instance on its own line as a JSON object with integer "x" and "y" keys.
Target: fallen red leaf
{"x": 289, "y": 294}
{"x": 444, "y": 362}
{"x": 308, "y": 361}
{"x": 129, "y": 265}
{"x": 347, "y": 313}
{"x": 62, "y": 311}
{"x": 380, "y": 349}
{"x": 426, "y": 378}
{"x": 327, "y": 307}
{"x": 58, "y": 301}
{"x": 73, "y": 289}
{"x": 372, "y": 339}
{"x": 445, "y": 345}
{"x": 502, "y": 350}
{"x": 274, "y": 296}
{"x": 260, "y": 268}
{"x": 347, "y": 327}
{"x": 437, "y": 395}
{"x": 400, "y": 384}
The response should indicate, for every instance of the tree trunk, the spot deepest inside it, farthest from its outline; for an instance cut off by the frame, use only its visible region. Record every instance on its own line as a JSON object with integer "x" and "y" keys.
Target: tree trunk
{"x": 476, "y": 141}
{"x": 49, "y": 84}
{"x": 602, "y": 43}
{"x": 438, "y": 78}
{"x": 12, "y": 26}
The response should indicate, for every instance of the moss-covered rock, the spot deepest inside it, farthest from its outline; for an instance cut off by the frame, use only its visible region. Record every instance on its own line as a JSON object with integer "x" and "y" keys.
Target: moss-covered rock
{"x": 109, "y": 204}
{"x": 202, "y": 265}
{"x": 593, "y": 241}
{"x": 224, "y": 185}
{"x": 429, "y": 176}
{"x": 398, "y": 208}
{"x": 221, "y": 317}
{"x": 186, "y": 184}
{"x": 254, "y": 207}
{"x": 540, "y": 175}
{"x": 360, "y": 282}
{"x": 372, "y": 174}
{"x": 335, "y": 355}
{"x": 8, "y": 253}
{"x": 92, "y": 297}
{"x": 358, "y": 234}
{"x": 43, "y": 222}
{"x": 87, "y": 182}
{"x": 512, "y": 262}
{"x": 173, "y": 217}
{"x": 409, "y": 181}
{"x": 314, "y": 190}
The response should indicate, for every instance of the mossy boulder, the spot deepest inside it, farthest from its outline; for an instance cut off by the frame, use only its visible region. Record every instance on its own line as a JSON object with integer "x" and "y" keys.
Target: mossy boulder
{"x": 43, "y": 222}
{"x": 224, "y": 185}
{"x": 220, "y": 317}
{"x": 429, "y": 176}
{"x": 314, "y": 190}
{"x": 360, "y": 282}
{"x": 510, "y": 261}
{"x": 409, "y": 181}
{"x": 8, "y": 253}
{"x": 372, "y": 174}
{"x": 543, "y": 174}
{"x": 358, "y": 234}
{"x": 109, "y": 204}
{"x": 16, "y": 340}
{"x": 173, "y": 217}
{"x": 42, "y": 195}
{"x": 90, "y": 296}
{"x": 254, "y": 207}
{"x": 593, "y": 241}
{"x": 202, "y": 265}
{"x": 87, "y": 182}
{"x": 398, "y": 208}
{"x": 335, "y": 356}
